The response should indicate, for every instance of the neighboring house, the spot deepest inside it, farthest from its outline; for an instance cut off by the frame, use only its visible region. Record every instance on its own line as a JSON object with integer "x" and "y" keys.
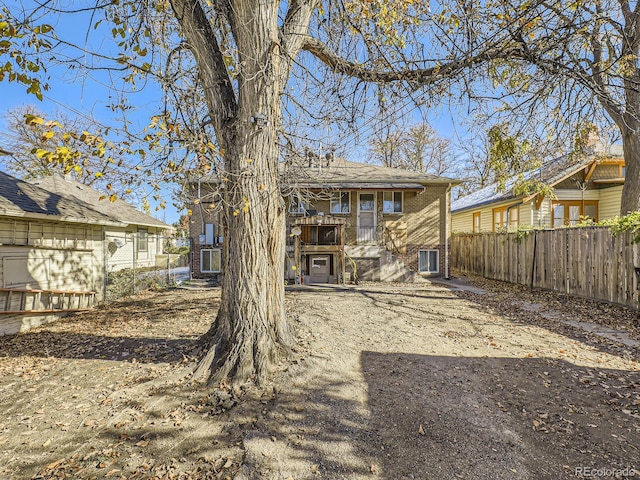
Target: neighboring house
{"x": 51, "y": 254}
{"x": 55, "y": 249}
{"x": 345, "y": 219}
{"x": 134, "y": 242}
{"x": 589, "y": 187}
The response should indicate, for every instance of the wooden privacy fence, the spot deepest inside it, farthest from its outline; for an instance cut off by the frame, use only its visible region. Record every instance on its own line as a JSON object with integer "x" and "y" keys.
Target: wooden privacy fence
{"x": 588, "y": 262}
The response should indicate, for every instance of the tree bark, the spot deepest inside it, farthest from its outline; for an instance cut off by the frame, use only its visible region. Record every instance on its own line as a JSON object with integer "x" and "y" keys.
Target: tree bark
{"x": 251, "y": 328}
{"x": 631, "y": 145}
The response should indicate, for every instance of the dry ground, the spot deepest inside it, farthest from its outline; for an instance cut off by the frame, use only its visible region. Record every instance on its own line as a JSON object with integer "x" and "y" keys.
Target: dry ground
{"x": 387, "y": 382}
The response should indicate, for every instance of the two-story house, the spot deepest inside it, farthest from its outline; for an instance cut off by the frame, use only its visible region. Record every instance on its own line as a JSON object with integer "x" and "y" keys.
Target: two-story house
{"x": 346, "y": 221}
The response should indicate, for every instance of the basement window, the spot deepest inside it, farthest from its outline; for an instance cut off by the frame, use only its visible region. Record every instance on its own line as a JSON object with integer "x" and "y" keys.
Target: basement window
{"x": 210, "y": 260}
{"x": 428, "y": 261}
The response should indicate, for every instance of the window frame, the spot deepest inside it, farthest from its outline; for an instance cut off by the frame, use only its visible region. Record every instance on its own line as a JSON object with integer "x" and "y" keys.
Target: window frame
{"x": 506, "y": 220}
{"x": 393, "y": 202}
{"x": 337, "y": 199}
{"x": 143, "y": 239}
{"x": 437, "y": 256}
{"x": 210, "y": 250}
{"x": 572, "y": 203}
{"x": 477, "y": 222}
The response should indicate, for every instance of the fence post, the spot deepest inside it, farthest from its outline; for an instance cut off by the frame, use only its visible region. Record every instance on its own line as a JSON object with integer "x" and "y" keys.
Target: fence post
{"x": 533, "y": 262}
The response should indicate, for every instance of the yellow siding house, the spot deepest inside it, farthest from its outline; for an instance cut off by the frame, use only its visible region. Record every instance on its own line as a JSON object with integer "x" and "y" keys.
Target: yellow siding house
{"x": 589, "y": 187}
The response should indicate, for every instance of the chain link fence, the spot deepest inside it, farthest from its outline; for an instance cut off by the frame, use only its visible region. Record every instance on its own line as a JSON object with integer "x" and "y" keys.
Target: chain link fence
{"x": 143, "y": 260}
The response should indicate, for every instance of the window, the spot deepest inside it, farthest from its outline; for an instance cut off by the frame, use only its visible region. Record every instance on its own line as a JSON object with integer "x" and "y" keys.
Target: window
{"x": 507, "y": 216}
{"x": 143, "y": 240}
{"x": 569, "y": 212}
{"x": 319, "y": 262}
{"x": 210, "y": 260}
{"x": 297, "y": 205}
{"x": 513, "y": 215}
{"x": 428, "y": 261}
{"x": 340, "y": 202}
{"x": 499, "y": 217}
{"x": 392, "y": 202}
{"x": 476, "y": 222}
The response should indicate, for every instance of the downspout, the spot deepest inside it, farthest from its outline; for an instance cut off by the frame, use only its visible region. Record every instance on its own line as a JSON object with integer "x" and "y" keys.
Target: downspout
{"x": 446, "y": 232}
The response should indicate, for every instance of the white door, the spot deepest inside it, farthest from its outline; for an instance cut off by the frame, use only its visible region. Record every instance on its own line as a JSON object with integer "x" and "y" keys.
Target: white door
{"x": 320, "y": 269}
{"x": 367, "y": 218}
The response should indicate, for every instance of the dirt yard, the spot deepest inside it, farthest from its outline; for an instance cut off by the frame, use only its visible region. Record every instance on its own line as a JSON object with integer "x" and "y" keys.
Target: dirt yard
{"x": 421, "y": 381}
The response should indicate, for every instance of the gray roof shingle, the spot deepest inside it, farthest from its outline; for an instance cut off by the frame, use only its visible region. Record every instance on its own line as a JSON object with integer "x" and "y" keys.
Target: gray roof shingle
{"x": 341, "y": 173}
{"x": 120, "y": 210}
{"x": 21, "y": 199}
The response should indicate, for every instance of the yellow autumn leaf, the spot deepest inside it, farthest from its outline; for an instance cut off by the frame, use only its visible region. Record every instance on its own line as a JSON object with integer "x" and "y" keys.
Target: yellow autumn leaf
{"x": 40, "y": 153}
{"x": 31, "y": 119}
{"x": 48, "y": 135}
{"x": 113, "y": 198}
{"x": 98, "y": 174}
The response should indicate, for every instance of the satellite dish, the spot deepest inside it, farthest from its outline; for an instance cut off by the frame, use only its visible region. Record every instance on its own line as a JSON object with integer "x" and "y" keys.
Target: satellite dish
{"x": 296, "y": 231}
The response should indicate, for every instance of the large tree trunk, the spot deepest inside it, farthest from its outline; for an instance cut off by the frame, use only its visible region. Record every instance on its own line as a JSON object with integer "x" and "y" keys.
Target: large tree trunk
{"x": 250, "y": 329}
{"x": 631, "y": 145}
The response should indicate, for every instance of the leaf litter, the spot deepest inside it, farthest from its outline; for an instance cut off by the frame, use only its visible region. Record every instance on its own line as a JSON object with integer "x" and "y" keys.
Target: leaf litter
{"x": 102, "y": 394}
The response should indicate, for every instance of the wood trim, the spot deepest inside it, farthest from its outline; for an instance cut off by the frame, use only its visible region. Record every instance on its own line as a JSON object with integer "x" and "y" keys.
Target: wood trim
{"x": 30, "y": 290}
{"x": 592, "y": 168}
{"x": 38, "y": 312}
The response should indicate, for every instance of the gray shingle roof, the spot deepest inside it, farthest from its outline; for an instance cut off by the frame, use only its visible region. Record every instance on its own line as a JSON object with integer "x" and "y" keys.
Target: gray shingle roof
{"x": 342, "y": 173}
{"x": 22, "y": 199}
{"x": 120, "y": 210}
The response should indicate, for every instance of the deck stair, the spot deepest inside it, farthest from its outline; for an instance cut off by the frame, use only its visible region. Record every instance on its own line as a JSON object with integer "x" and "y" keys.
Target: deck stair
{"x": 20, "y": 301}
